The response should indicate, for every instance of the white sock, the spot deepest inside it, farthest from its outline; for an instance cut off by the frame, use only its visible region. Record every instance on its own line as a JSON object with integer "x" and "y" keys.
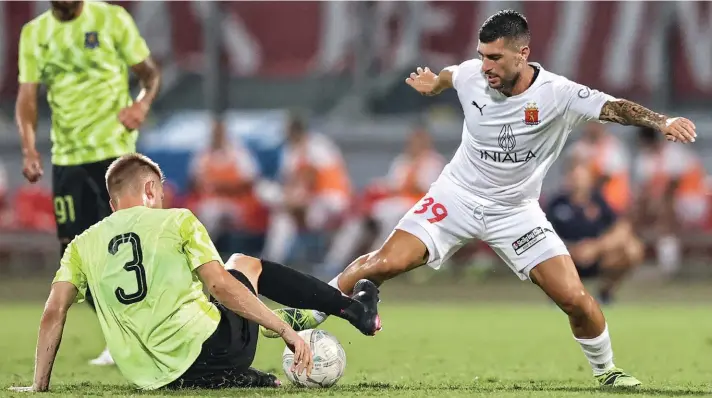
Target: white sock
{"x": 335, "y": 283}
{"x": 320, "y": 316}
{"x": 598, "y": 351}
{"x": 668, "y": 251}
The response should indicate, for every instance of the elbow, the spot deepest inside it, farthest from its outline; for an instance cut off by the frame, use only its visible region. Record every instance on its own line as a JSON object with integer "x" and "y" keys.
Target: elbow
{"x": 219, "y": 290}
{"x": 53, "y": 314}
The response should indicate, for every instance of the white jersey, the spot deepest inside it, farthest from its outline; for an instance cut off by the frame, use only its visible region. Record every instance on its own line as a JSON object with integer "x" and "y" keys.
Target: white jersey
{"x": 509, "y": 143}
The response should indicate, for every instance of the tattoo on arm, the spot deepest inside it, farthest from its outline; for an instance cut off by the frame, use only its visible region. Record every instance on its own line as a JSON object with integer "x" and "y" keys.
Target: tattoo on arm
{"x": 150, "y": 77}
{"x": 629, "y": 113}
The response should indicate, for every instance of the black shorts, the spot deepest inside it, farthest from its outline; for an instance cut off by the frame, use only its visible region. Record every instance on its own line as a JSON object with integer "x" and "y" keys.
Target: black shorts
{"x": 227, "y": 354}
{"x": 80, "y": 197}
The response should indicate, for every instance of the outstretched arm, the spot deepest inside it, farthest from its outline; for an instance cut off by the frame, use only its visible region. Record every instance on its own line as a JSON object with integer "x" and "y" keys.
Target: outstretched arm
{"x": 428, "y": 83}
{"x": 628, "y": 113}
{"x": 51, "y": 328}
{"x": 52, "y": 323}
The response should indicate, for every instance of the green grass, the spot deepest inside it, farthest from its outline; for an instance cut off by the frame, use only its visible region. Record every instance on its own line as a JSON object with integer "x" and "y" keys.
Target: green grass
{"x": 425, "y": 350}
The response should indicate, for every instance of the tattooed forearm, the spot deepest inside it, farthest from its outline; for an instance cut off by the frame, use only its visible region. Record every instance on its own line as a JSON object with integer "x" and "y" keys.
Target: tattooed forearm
{"x": 150, "y": 78}
{"x": 629, "y": 113}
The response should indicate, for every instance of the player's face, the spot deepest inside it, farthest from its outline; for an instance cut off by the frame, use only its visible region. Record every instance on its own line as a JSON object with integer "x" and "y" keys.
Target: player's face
{"x": 502, "y": 62}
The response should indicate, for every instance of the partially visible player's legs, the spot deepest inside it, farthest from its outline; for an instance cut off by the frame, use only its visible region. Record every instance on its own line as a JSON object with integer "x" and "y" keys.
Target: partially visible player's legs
{"x": 226, "y": 357}
{"x": 558, "y": 278}
{"x": 526, "y": 241}
{"x": 295, "y": 289}
{"x": 434, "y": 229}
{"x": 401, "y": 253}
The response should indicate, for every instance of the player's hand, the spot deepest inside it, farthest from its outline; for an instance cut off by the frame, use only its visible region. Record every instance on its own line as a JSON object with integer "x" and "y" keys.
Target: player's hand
{"x": 132, "y": 117}
{"x": 424, "y": 81}
{"x": 302, "y": 352}
{"x": 32, "y": 166}
{"x": 679, "y": 129}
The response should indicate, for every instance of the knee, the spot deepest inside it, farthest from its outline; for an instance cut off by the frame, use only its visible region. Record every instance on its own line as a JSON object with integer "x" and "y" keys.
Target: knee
{"x": 577, "y": 302}
{"x": 250, "y": 266}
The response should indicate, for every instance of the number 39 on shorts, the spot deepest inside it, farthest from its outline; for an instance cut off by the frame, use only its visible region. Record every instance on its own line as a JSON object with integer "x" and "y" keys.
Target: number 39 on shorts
{"x": 437, "y": 210}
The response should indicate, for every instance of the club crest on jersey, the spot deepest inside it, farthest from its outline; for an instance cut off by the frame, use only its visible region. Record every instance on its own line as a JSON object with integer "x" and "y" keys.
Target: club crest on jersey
{"x": 531, "y": 114}
{"x": 91, "y": 39}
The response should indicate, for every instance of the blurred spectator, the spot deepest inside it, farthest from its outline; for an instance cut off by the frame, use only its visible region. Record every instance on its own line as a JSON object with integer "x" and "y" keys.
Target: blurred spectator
{"x": 671, "y": 195}
{"x": 600, "y": 241}
{"x": 607, "y": 158}
{"x": 34, "y": 208}
{"x": 5, "y": 212}
{"x": 315, "y": 189}
{"x": 222, "y": 178}
{"x": 409, "y": 178}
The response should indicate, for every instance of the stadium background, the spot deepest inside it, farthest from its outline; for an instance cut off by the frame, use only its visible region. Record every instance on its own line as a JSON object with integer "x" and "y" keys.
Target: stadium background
{"x": 344, "y": 63}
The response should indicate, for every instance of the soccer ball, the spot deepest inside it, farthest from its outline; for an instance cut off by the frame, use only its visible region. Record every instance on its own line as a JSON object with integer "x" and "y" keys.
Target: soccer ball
{"x": 329, "y": 360}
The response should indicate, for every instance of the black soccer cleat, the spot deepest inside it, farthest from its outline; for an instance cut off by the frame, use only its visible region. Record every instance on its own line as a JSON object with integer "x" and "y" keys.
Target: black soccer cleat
{"x": 253, "y": 378}
{"x": 364, "y": 315}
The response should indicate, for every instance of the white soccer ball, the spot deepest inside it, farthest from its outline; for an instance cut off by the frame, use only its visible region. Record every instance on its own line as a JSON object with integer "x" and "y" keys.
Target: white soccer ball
{"x": 329, "y": 360}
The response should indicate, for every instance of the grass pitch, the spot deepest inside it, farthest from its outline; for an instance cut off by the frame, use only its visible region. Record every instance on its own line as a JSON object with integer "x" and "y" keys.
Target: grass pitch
{"x": 426, "y": 349}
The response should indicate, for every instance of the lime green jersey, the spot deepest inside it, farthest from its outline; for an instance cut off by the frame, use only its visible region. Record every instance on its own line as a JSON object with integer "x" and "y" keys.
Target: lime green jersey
{"x": 140, "y": 266}
{"x": 84, "y": 64}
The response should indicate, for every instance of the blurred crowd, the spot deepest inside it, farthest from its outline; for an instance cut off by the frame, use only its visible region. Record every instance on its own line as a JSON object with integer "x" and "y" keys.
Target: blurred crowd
{"x": 612, "y": 209}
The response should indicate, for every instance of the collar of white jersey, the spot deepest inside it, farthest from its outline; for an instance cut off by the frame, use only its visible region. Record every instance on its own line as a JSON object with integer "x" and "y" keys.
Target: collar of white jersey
{"x": 539, "y": 80}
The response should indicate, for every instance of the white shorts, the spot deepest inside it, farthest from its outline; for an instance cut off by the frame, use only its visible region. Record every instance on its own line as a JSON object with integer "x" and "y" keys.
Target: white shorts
{"x": 448, "y": 217}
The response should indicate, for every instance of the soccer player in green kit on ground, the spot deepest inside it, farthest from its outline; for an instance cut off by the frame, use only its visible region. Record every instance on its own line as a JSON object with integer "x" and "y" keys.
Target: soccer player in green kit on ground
{"x": 147, "y": 267}
{"x": 82, "y": 51}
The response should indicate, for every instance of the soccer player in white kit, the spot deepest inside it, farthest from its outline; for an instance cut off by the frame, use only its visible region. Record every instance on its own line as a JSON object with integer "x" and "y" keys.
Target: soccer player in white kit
{"x": 517, "y": 118}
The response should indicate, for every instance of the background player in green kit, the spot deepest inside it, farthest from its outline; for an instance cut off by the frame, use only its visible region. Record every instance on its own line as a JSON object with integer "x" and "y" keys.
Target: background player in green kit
{"x": 82, "y": 51}
{"x": 147, "y": 267}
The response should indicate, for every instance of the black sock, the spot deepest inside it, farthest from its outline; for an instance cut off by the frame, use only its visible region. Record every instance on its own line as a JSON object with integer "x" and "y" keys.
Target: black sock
{"x": 88, "y": 297}
{"x": 294, "y": 289}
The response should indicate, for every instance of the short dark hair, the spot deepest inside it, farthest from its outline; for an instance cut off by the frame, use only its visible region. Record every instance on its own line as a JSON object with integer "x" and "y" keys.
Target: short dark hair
{"x": 507, "y": 24}
{"x": 128, "y": 167}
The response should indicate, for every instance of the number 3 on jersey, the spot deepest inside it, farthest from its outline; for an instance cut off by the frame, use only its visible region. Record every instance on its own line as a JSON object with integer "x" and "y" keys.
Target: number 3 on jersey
{"x": 438, "y": 210}
{"x": 135, "y": 265}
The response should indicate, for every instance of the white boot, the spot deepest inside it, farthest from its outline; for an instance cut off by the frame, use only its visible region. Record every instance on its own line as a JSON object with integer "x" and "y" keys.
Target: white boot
{"x": 104, "y": 359}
